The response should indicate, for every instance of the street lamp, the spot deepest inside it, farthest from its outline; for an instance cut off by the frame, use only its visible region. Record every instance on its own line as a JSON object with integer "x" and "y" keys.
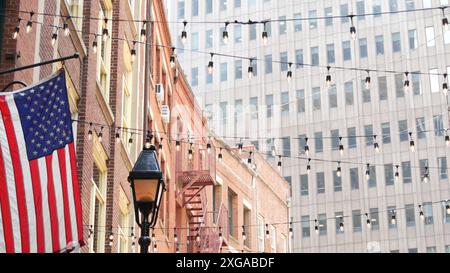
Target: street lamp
{"x": 147, "y": 184}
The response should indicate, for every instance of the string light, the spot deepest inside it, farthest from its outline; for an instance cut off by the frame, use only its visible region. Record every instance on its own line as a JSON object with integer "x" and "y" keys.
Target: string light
{"x": 444, "y": 19}
{"x": 117, "y": 136}
{"x": 219, "y": 156}
{"x": 368, "y": 171}
{"x": 197, "y": 237}
{"x": 279, "y": 163}
{"x": 177, "y": 250}
{"x": 148, "y": 139}
{"x": 289, "y": 73}
{"x": 267, "y": 232}
{"x": 100, "y": 134}
{"x": 393, "y": 218}
{"x": 412, "y": 146}
{"x": 250, "y": 68}
{"x": 220, "y": 235}
{"x": 447, "y": 138}
{"x": 30, "y": 23}
{"x": 308, "y": 167}
{"x": 177, "y": 145}
{"x": 184, "y": 33}
{"x": 133, "y": 52}
{"x": 66, "y": 27}
{"x": 160, "y": 146}
{"x": 421, "y": 214}
{"x": 244, "y": 237}
{"x": 341, "y": 146}
{"x": 447, "y": 208}
{"x": 291, "y": 232}
{"x": 306, "y": 147}
{"x": 130, "y": 140}
{"x": 94, "y": 45}
{"x": 367, "y": 81}
{"x": 397, "y": 174}
{"x": 341, "y": 224}
{"x": 274, "y": 152}
{"x": 240, "y": 146}
{"x": 175, "y": 237}
{"x": 90, "y": 131}
{"x": 91, "y": 231}
{"x": 338, "y": 170}
{"x": 211, "y": 65}
{"x": 105, "y": 32}
{"x": 316, "y": 226}
{"x": 111, "y": 238}
{"x": 445, "y": 85}
{"x": 143, "y": 32}
{"x": 208, "y": 146}
{"x": 249, "y": 160}
{"x": 265, "y": 35}
{"x": 190, "y": 152}
{"x": 426, "y": 175}
{"x": 375, "y": 144}
{"x": 368, "y": 222}
{"x": 225, "y": 33}
{"x": 406, "y": 82}
{"x": 16, "y": 30}
{"x": 352, "y": 28}
{"x": 155, "y": 248}
{"x": 172, "y": 58}
{"x": 55, "y": 37}
{"x": 328, "y": 77}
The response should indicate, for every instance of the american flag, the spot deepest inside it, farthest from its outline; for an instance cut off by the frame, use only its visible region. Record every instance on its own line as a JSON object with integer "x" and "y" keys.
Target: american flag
{"x": 40, "y": 208}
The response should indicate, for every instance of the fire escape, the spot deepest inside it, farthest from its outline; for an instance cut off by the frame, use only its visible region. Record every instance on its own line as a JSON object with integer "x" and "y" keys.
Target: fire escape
{"x": 196, "y": 170}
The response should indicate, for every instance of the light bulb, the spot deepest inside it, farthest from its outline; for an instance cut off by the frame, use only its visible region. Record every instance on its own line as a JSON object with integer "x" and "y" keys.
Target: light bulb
{"x": 94, "y": 47}
{"x": 447, "y": 140}
{"x": 210, "y": 67}
{"x": 447, "y": 208}
{"x": 177, "y": 144}
{"x": 445, "y": 23}
{"x": 308, "y": 169}
{"x": 341, "y": 149}
{"x": 328, "y": 80}
{"x": 406, "y": 86}
{"x": 265, "y": 37}
{"x": 16, "y": 32}
{"x": 208, "y": 148}
{"x": 341, "y": 227}
{"x": 29, "y": 26}
{"x": 143, "y": 35}
{"x": 184, "y": 36}
{"x": 90, "y": 134}
{"x": 306, "y": 150}
{"x": 225, "y": 37}
{"x": 367, "y": 82}
{"x": 393, "y": 220}
{"x": 289, "y": 75}
{"x": 105, "y": 34}
{"x": 353, "y": 32}
{"x": 54, "y": 38}
{"x": 66, "y": 29}
{"x": 133, "y": 55}
{"x": 445, "y": 88}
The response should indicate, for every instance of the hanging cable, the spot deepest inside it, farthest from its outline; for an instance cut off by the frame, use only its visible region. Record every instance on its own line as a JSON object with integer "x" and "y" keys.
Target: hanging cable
{"x": 225, "y": 33}
{"x": 184, "y": 33}
{"x": 367, "y": 80}
{"x": 352, "y": 28}
{"x": 29, "y": 23}
{"x": 412, "y": 146}
{"x": 328, "y": 77}
{"x": 211, "y": 64}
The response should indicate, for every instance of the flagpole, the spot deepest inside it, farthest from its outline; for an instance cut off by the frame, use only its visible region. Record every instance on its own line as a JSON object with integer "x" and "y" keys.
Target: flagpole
{"x": 12, "y": 70}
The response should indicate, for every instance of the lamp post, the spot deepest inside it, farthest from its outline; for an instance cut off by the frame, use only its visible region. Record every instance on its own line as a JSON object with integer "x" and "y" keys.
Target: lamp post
{"x": 147, "y": 185}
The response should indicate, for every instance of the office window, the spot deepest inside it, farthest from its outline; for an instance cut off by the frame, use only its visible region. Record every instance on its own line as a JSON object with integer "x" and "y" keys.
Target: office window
{"x": 284, "y": 61}
{"x": 297, "y": 22}
{"x": 412, "y": 39}
{"x": 431, "y": 249}
{"x": 428, "y": 213}
{"x": 334, "y": 139}
{"x": 269, "y": 106}
{"x": 312, "y": 22}
{"x": 429, "y": 33}
{"x": 393, "y": 5}
{"x": 346, "y": 51}
{"x": 360, "y": 9}
{"x": 434, "y": 80}
{"x": 328, "y": 12}
{"x": 208, "y": 77}
{"x": 332, "y": 96}
{"x": 368, "y": 132}
{"x": 330, "y": 54}
{"x": 238, "y": 112}
{"x": 194, "y": 76}
{"x": 438, "y": 125}
{"x": 348, "y": 88}
{"x": 282, "y": 25}
{"x": 412, "y": 250}
{"x": 410, "y": 215}
{"x": 406, "y": 172}
{"x": 373, "y": 177}
{"x": 376, "y": 8}
{"x": 304, "y": 185}
{"x": 300, "y": 101}
{"x": 351, "y": 133}
{"x": 356, "y": 220}
{"x": 286, "y": 143}
{"x": 306, "y": 229}
{"x": 363, "y": 48}
{"x": 338, "y": 218}
{"x": 399, "y": 89}
{"x": 337, "y": 182}
{"x": 268, "y": 64}
{"x": 403, "y": 130}
{"x": 237, "y": 4}
{"x": 238, "y": 69}
{"x": 320, "y": 181}
{"x": 223, "y": 72}
{"x": 209, "y": 38}
{"x": 415, "y": 81}
{"x": 223, "y": 5}
{"x": 209, "y": 6}
{"x": 181, "y": 9}
{"x": 396, "y": 45}
{"x": 409, "y": 4}
{"x": 442, "y": 165}
{"x": 301, "y": 144}
{"x": 261, "y": 233}
{"x": 284, "y": 104}
{"x": 316, "y": 98}
{"x": 382, "y": 88}
{"x": 322, "y": 224}
{"x": 315, "y": 55}
{"x": 194, "y": 8}
{"x": 252, "y": 32}
{"x": 224, "y": 114}
{"x": 374, "y": 218}
{"x": 379, "y": 44}
{"x": 254, "y": 108}
{"x": 420, "y": 127}
{"x": 318, "y": 142}
{"x": 344, "y": 12}
{"x": 389, "y": 174}
{"x": 354, "y": 179}
{"x": 444, "y": 211}
{"x": 391, "y": 212}
{"x": 237, "y": 34}
{"x": 366, "y": 97}
{"x": 298, "y": 58}
{"x": 422, "y": 164}
{"x": 221, "y": 42}
{"x": 386, "y": 132}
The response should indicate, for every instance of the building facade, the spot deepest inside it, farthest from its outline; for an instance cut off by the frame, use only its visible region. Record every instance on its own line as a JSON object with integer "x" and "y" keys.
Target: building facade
{"x": 270, "y": 112}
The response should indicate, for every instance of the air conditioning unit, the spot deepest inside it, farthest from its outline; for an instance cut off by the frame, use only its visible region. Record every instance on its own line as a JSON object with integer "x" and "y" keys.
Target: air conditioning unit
{"x": 165, "y": 113}
{"x": 159, "y": 92}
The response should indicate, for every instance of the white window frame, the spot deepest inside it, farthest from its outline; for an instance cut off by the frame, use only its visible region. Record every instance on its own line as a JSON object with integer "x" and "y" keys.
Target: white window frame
{"x": 261, "y": 236}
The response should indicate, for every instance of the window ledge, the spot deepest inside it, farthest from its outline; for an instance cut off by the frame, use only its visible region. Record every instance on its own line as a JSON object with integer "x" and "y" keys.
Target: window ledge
{"x": 104, "y": 105}
{"x": 74, "y": 35}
